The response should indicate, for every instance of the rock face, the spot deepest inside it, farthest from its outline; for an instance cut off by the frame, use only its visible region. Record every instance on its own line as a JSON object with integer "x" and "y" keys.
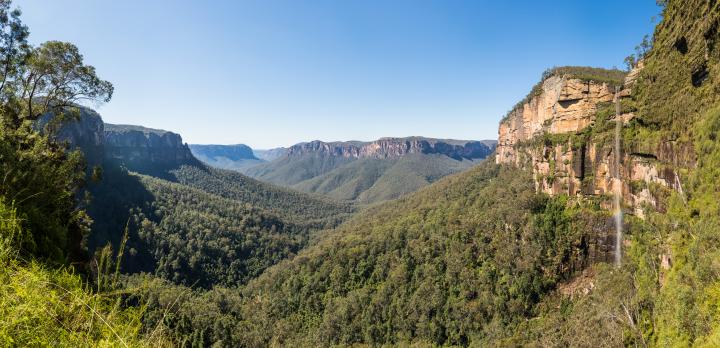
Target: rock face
{"x": 588, "y": 170}
{"x": 233, "y": 157}
{"x": 581, "y": 166}
{"x": 138, "y": 148}
{"x": 370, "y": 172}
{"x": 82, "y": 129}
{"x": 394, "y": 147}
{"x": 141, "y": 148}
{"x": 232, "y": 152}
{"x": 563, "y": 105}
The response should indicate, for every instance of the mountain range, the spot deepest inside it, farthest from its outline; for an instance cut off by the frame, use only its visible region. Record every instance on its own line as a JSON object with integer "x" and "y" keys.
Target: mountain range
{"x": 594, "y": 222}
{"x": 365, "y": 172}
{"x": 233, "y": 157}
{"x": 151, "y": 184}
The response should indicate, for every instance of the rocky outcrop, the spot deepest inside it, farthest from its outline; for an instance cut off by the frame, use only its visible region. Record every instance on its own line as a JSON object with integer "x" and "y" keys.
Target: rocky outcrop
{"x": 231, "y": 152}
{"x": 583, "y": 165}
{"x": 562, "y": 105}
{"x": 81, "y": 128}
{"x": 233, "y": 157}
{"x": 394, "y": 147}
{"x": 141, "y": 148}
{"x": 587, "y": 170}
{"x": 137, "y": 148}
{"x": 337, "y": 149}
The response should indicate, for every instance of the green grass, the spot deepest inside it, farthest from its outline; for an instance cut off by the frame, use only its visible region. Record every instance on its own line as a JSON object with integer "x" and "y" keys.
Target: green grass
{"x": 42, "y": 306}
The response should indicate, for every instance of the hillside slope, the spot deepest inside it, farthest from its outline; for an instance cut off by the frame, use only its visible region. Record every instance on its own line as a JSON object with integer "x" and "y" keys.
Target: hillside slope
{"x": 163, "y": 154}
{"x": 370, "y": 172}
{"x": 521, "y": 253}
{"x": 187, "y": 235}
{"x": 458, "y": 262}
{"x": 371, "y": 180}
{"x": 269, "y": 154}
{"x": 189, "y": 223}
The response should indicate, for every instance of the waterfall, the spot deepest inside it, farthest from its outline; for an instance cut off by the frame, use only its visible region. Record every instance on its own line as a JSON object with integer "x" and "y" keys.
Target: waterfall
{"x": 617, "y": 183}
{"x": 679, "y": 188}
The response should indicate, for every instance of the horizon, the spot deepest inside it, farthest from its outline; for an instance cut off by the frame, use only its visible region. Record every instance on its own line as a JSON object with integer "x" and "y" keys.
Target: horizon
{"x": 272, "y": 74}
{"x": 336, "y": 141}
{"x": 224, "y": 204}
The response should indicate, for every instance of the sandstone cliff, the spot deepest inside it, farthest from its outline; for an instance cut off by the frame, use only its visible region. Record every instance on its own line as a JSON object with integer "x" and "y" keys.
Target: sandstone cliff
{"x": 141, "y": 148}
{"x": 395, "y": 147}
{"x": 233, "y": 157}
{"x": 564, "y": 104}
{"x": 370, "y": 172}
{"x": 81, "y": 128}
{"x": 563, "y": 132}
{"x": 137, "y": 148}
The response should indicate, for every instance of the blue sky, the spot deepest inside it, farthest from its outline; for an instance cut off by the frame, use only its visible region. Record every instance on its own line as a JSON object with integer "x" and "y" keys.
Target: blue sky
{"x": 272, "y": 73}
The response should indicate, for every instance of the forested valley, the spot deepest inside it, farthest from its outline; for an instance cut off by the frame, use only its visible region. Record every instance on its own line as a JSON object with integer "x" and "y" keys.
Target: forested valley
{"x": 603, "y": 231}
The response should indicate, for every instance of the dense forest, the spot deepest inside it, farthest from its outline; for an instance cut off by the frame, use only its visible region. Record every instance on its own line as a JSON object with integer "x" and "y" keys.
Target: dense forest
{"x": 443, "y": 266}
{"x": 481, "y": 259}
{"x": 375, "y": 180}
{"x": 187, "y": 235}
{"x": 188, "y": 255}
{"x": 370, "y": 172}
{"x": 302, "y": 208}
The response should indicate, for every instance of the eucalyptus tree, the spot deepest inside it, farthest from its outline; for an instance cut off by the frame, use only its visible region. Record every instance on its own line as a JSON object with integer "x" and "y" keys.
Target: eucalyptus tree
{"x": 38, "y": 176}
{"x": 56, "y": 77}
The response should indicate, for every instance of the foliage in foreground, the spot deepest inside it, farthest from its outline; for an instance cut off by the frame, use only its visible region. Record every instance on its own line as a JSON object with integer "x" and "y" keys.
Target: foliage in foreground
{"x": 43, "y": 306}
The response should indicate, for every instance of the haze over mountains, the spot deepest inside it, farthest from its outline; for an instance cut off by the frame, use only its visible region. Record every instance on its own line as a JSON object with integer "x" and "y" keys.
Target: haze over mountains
{"x": 366, "y": 172}
{"x": 594, "y": 222}
{"x": 153, "y": 184}
{"x": 234, "y": 157}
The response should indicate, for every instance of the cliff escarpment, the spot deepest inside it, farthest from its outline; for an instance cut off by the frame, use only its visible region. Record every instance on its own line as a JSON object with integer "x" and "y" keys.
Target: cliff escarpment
{"x": 137, "y": 148}
{"x": 563, "y": 131}
{"x": 80, "y": 128}
{"x": 233, "y": 157}
{"x": 563, "y": 104}
{"x": 395, "y": 147}
{"x": 141, "y": 148}
{"x": 370, "y": 172}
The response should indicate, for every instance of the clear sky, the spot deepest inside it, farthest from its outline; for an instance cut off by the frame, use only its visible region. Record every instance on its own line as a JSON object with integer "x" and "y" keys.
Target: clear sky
{"x": 272, "y": 73}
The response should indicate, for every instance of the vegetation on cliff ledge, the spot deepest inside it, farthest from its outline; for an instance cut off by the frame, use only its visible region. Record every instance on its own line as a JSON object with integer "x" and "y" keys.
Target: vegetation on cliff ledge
{"x": 477, "y": 258}
{"x": 613, "y": 77}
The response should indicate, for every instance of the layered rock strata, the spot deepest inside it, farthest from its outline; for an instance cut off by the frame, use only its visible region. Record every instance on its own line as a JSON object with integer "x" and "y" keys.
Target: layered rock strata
{"x": 583, "y": 165}
{"x": 395, "y": 147}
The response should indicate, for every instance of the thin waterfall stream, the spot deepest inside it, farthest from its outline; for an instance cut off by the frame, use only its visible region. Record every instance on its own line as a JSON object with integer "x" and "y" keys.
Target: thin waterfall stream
{"x": 617, "y": 183}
